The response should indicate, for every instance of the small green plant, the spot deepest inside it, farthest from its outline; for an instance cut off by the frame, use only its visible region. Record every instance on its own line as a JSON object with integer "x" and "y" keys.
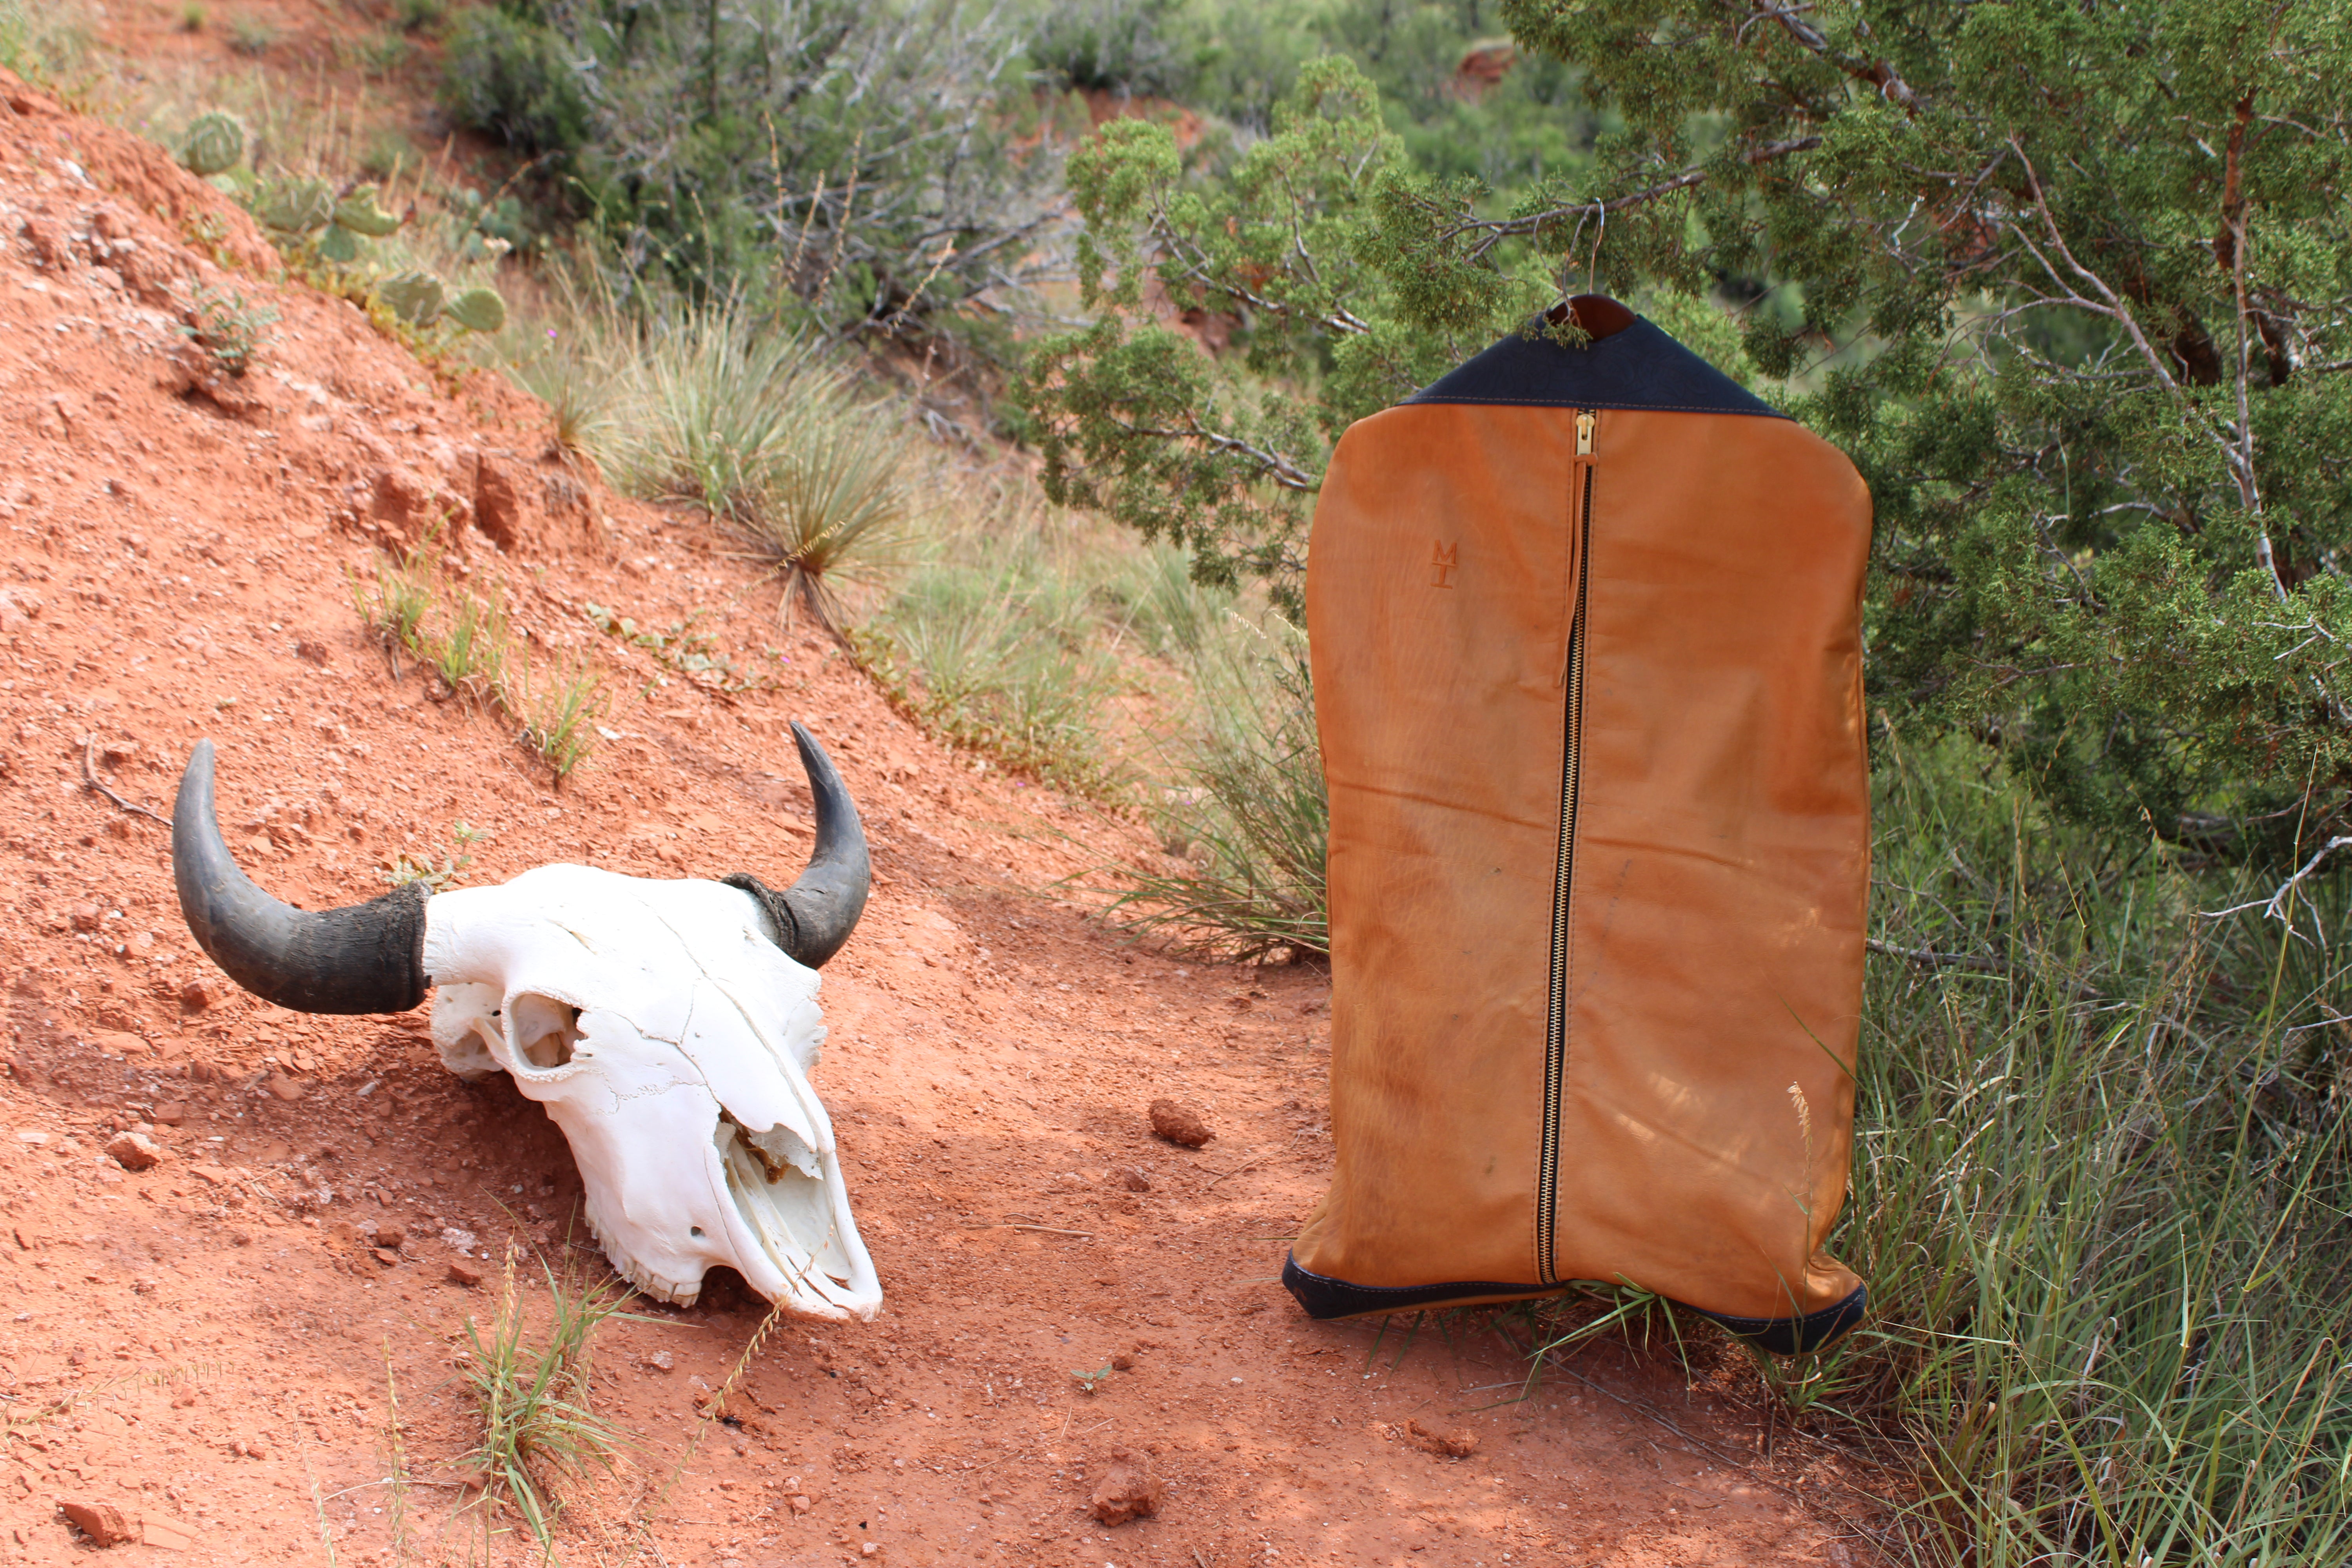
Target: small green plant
{"x": 1088, "y": 1382}
{"x": 540, "y": 1431}
{"x": 692, "y": 654}
{"x": 406, "y": 868}
{"x": 251, "y": 36}
{"x": 468, "y": 642}
{"x": 227, "y": 326}
{"x": 562, "y": 713}
{"x": 193, "y": 17}
{"x": 419, "y": 16}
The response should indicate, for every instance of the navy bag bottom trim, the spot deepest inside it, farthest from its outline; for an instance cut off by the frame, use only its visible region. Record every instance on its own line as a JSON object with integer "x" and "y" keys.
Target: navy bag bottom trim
{"x": 1325, "y": 1298}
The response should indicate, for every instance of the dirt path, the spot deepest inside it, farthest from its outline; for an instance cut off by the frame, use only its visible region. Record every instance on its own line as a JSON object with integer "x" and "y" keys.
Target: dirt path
{"x": 206, "y": 1345}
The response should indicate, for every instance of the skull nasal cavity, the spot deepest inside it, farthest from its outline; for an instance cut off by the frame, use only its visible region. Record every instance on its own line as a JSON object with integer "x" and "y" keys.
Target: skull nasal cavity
{"x": 544, "y": 1030}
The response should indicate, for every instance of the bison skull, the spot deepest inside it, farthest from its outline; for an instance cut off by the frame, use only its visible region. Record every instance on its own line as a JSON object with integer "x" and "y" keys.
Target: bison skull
{"x": 669, "y": 1029}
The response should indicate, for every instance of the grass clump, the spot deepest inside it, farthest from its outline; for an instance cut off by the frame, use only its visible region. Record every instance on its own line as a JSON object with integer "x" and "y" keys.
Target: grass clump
{"x": 540, "y": 1430}
{"x": 1002, "y": 641}
{"x": 471, "y": 645}
{"x": 1247, "y": 819}
{"x": 715, "y": 407}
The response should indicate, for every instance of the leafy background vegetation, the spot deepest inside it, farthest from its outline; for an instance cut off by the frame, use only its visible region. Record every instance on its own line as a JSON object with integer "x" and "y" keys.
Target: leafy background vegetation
{"x": 2071, "y": 283}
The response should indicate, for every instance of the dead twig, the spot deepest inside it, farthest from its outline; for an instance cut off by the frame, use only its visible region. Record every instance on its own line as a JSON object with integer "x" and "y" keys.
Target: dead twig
{"x": 2275, "y": 907}
{"x": 1237, "y": 1169}
{"x": 90, "y": 777}
{"x": 1929, "y": 958}
{"x": 1052, "y": 1230}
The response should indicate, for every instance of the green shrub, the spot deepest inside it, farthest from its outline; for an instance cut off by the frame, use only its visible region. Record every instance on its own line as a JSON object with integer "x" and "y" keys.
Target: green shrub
{"x": 1117, "y": 46}
{"x": 515, "y": 78}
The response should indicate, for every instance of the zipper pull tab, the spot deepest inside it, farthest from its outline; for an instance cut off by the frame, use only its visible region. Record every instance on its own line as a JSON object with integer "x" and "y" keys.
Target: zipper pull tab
{"x": 1585, "y": 420}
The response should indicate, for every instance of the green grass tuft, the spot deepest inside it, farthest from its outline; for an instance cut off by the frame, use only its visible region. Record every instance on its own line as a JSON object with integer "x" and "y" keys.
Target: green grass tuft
{"x": 540, "y": 1430}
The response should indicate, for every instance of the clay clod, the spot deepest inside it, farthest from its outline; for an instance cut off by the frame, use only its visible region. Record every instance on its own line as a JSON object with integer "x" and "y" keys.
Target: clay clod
{"x": 1179, "y": 1124}
{"x": 134, "y": 1151}
{"x": 1127, "y": 1490}
{"x": 105, "y": 1524}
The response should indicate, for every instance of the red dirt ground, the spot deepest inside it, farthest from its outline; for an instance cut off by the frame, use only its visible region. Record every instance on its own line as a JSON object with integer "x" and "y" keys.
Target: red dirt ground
{"x": 204, "y": 1345}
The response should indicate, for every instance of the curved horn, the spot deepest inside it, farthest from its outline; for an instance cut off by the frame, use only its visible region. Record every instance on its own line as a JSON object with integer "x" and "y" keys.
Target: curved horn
{"x": 367, "y": 958}
{"x": 815, "y": 915}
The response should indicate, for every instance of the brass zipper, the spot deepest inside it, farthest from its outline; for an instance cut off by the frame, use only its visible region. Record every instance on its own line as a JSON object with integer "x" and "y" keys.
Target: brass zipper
{"x": 1563, "y": 883}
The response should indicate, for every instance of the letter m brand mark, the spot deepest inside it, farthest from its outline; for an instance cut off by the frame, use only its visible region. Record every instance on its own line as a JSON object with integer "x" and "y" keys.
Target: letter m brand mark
{"x": 1440, "y": 564}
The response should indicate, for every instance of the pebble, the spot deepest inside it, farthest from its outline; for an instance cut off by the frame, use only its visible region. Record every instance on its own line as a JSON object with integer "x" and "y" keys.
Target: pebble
{"x": 1179, "y": 1124}
{"x": 1134, "y": 1180}
{"x": 86, "y": 916}
{"x": 662, "y": 1361}
{"x": 170, "y": 1113}
{"x": 284, "y": 1087}
{"x": 461, "y": 1275}
{"x": 387, "y": 1257}
{"x": 391, "y": 1233}
{"x": 200, "y": 994}
{"x": 134, "y": 1151}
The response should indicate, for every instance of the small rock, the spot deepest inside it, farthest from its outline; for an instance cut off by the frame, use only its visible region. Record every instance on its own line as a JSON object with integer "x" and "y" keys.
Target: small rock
{"x": 311, "y": 650}
{"x": 284, "y": 1087}
{"x": 118, "y": 753}
{"x": 120, "y": 1043}
{"x": 1123, "y": 1362}
{"x": 134, "y": 1151}
{"x": 387, "y": 1257}
{"x": 1179, "y": 1124}
{"x": 461, "y": 1275}
{"x": 86, "y": 916}
{"x": 200, "y": 994}
{"x": 799, "y": 1504}
{"x": 1127, "y": 1491}
{"x": 662, "y": 1361}
{"x": 391, "y": 1233}
{"x": 170, "y": 1113}
{"x": 105, "y": 1524}
{"x": 1134, "y": 1181}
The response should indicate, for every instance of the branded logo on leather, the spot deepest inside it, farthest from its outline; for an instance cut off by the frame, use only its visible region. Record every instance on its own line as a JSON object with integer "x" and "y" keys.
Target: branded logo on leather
{"x": 1441, "y": 563}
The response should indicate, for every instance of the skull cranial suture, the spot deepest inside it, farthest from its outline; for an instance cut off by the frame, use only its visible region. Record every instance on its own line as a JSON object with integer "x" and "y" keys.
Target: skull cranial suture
{"x": 669, "y": 1029}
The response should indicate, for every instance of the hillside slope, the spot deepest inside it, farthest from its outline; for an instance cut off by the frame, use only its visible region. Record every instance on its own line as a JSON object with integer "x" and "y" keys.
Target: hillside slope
{"x": 207, "y": 1346}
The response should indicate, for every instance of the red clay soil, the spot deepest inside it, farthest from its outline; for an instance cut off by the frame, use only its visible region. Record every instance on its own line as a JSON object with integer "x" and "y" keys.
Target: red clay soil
{"x": 196, "y": 1357}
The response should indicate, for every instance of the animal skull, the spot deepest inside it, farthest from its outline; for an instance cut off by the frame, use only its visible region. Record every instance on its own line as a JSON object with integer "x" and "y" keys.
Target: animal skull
{"x": 668, "y": 1027}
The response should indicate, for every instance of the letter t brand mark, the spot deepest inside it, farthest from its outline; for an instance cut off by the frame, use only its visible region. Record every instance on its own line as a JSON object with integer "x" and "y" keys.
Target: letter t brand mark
{"x": 1441, "y": 563}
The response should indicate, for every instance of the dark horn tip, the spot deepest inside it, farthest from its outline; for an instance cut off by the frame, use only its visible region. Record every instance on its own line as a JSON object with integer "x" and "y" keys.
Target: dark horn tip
{"x": 814, "y": 916}
{"x": 366, "y": 958}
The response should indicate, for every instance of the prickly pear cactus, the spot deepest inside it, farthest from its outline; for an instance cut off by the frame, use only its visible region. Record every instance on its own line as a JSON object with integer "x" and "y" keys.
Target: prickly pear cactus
{"x": 477, "y": 310}
{"x": 215, "y": 144}
{"x": 359, "y": 213}
{"x": 416, "y": 298}
{"x": 297, "y": 206}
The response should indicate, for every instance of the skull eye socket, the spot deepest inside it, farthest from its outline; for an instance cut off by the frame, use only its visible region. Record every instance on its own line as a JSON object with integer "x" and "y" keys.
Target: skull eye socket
{"x": 543, "y": 1030}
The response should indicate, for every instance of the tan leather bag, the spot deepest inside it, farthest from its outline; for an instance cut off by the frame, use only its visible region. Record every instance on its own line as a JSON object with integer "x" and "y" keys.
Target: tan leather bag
{"x": 1585, "y": 630}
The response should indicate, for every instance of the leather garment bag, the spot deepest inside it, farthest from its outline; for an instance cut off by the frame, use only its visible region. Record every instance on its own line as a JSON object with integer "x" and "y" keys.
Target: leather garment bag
{"x": 1585, "y": 630}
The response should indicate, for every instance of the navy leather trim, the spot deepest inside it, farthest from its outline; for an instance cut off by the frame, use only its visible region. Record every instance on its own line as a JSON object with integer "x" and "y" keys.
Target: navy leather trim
{"x": 1792, "y": 1336}
{"x": 1639, "y": 367}
{"x": 1323, "y": 1298}
{"x": 1326, "y": 1297}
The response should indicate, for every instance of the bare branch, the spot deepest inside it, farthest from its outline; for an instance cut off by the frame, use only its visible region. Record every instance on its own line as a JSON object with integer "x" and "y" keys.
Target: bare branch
{"x": 2275, "y": 907}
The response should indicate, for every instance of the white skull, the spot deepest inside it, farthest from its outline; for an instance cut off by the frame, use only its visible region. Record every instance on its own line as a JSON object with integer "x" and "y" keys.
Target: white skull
{"x": 672, "y": 1040}
{"x": 668, "y": 1027}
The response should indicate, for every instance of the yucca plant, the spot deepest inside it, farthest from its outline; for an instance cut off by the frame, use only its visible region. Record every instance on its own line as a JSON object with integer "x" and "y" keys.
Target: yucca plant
{"x": 722, "y": 410}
